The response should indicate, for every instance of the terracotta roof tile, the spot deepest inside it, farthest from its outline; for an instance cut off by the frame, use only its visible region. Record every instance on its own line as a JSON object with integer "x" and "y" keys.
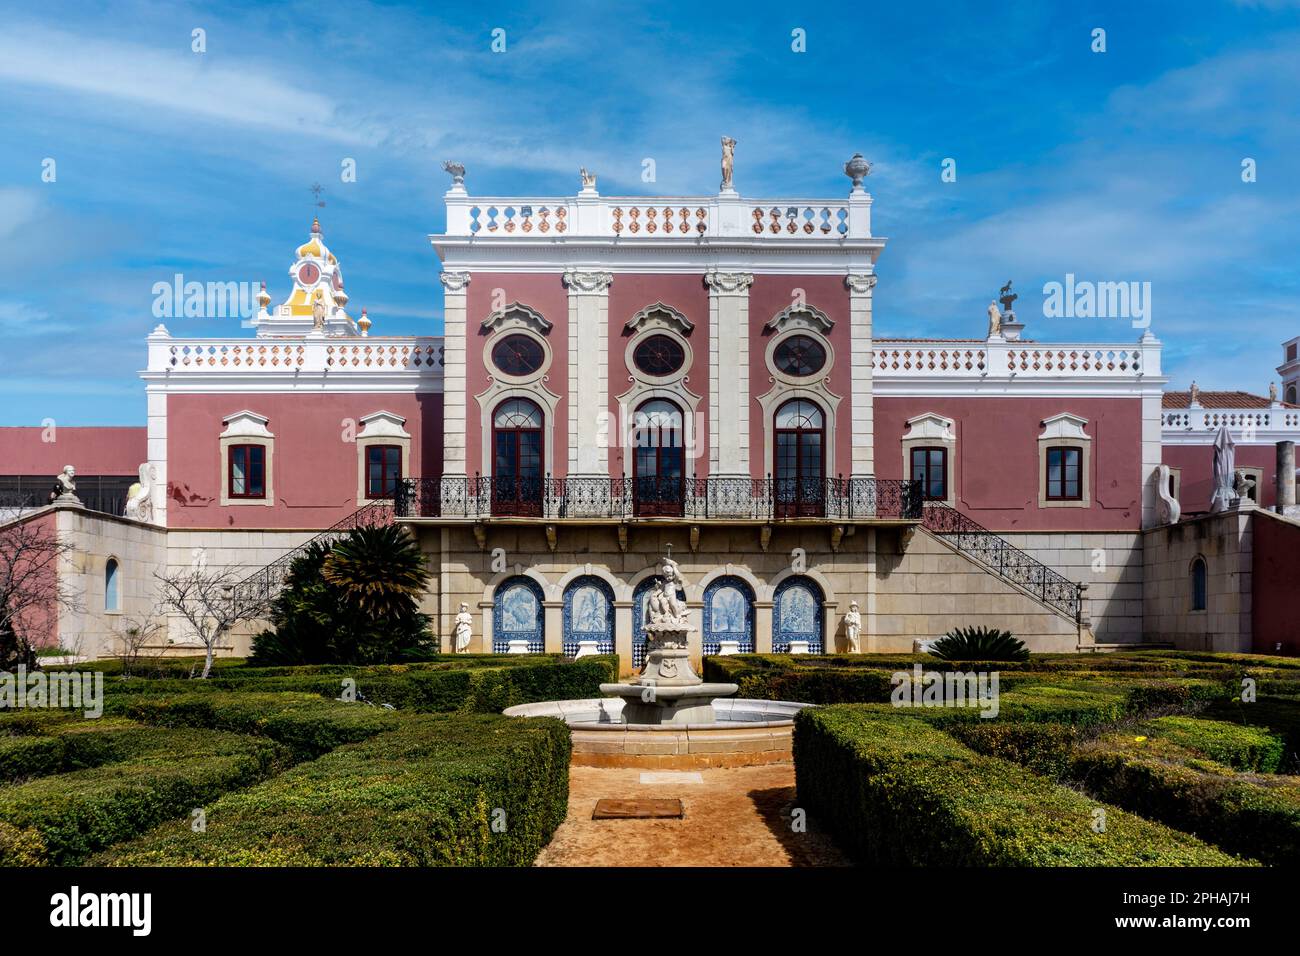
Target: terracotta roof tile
{"x": 1218, "y": 400}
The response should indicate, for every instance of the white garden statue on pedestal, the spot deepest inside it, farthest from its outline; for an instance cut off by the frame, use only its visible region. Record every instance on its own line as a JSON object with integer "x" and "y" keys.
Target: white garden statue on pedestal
{"x": 853, "y": 627}
{"x": 464, "y": 628}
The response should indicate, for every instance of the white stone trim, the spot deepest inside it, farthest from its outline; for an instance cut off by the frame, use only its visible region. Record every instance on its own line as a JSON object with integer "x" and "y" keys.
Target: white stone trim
{"x": 769, "y": 357}
{"x": 819, "y": 395}
{"x": 455, "y": 298}
{"x": 516, "y": 315}
{"x": 675, "y": 320}
{"x": 498, "y": 392}
{"x": 861, "y": 389}
{"x": 800, "y": 317}
{"x": 588, "y": 390}
{"x": 381, "y": 428}
{"x": 930, "y": 430}
{"x": 650, "y": 331}
{"x": 246, "y": 428}
{"x": 1066, "y": 430}
{"x": 728, "y": 371}
{"x": 548, "y": 356}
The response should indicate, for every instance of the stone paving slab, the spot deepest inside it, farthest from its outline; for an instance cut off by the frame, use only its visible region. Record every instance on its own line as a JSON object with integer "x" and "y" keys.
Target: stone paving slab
{"x": 733, "y": 817}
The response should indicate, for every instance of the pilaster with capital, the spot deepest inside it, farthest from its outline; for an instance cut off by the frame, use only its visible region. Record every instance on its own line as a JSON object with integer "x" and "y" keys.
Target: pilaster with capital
{"x": 860, "y": 288}
{"x": 589, "y": 426}
{"x": 455, "y": 287}
{"x": 728, "y": 372}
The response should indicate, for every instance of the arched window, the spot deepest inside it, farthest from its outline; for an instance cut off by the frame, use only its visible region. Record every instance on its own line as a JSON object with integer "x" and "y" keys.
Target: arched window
{"x": 517, "y": 615}
{"x": 728, "y": 615}
{"x": 517, "y": 458}
{"x": 1290, "y": 395}
{"x": 588, "y": 615}
{"x": 659, "y": 459}
{"x": 797, "y": 615}
{"x": 800, "y": 459}
{"x": 112, "y": 586}
{"x": 1199, "y": 584}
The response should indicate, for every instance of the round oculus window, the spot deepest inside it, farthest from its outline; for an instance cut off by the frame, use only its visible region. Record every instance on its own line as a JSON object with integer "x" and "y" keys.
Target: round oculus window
{"x": 518, "y": 355}
{"x": 659, "y": 355}
{"x": 800, "y": 355}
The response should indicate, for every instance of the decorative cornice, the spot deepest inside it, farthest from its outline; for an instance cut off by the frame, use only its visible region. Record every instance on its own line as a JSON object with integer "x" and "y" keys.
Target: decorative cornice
{"x": 670, "y": 317}
{"x": 805, "y": 315}
{"x": 521, "y": 314}
{"x": 589, "y": 282}
{"x": 728, "y": 283}
{"x": 454, "y": 281}
{"x": 860, "y": 284}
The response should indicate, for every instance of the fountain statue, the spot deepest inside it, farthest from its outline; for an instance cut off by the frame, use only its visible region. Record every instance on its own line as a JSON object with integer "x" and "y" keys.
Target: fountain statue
{"x": 668, "y": 691}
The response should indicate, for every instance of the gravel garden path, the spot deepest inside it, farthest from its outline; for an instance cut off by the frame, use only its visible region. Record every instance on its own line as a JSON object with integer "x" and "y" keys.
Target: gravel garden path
{"x": 739, "y": 817}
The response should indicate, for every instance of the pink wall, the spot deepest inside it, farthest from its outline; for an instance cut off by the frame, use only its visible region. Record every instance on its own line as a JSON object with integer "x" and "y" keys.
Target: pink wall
{"x": 769, "y": 295}
{"x": 92, "y": 451}
{"x": 1274, "y": 579}
{"x": 314, "y": 480}
{"x": 996, "y": 468}
{"x": 36, "y": 536}
{"x": 688, "y": 295}
{"x": 1196, "y": 482}
{"x": 547, "y": 295}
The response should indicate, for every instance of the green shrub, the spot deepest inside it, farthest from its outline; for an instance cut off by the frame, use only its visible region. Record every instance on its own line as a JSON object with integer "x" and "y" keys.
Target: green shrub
{"x": 1258, "y": 818}
{"x": 423, "y": 795}
{"x": 73, "y": 745}
{"x": 1238, "y": 746}
{"x": 21, "y": 846}
{"x": 1044, "y": 748}
{"x": 77, "y": 813}
{"x": 980, "y": 644}
{"x": 305, "y": 724}
{"x": 1281, "y": 716}
{"x": 355, "y": 600}
{"x": 900, "y": 792}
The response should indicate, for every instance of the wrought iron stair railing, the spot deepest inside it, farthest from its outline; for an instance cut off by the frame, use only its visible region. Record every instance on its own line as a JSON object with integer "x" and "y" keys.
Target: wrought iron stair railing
{"x": 261, "y": 587}
{"x": 1022, "y": 569}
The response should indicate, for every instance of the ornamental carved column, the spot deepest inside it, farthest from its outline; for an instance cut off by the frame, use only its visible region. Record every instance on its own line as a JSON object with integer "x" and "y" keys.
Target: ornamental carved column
{"x": 455, "y": 287}
{"x": 729, "y": 372}
{"x": 861, "y": 400}
{"x": 589, "y": 431}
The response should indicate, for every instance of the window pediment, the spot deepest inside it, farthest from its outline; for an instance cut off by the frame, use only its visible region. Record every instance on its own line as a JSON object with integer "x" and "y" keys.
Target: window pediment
{"x": 383, "y": 424}
{"x": 516, "y": 315}
{"x": 661, "y": 316}
{"x": 930, "y": 427}
{"x": 800, "y": 317}
{"x": 1064, "y": 427}
{"x": 246, "y": 424}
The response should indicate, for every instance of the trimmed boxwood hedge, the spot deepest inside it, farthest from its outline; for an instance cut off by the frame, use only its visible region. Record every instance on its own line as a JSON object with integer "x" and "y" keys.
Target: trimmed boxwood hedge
{"x": 416, "y": 687}
{"x": 423, "y": 795}
{"x": 1238, "y": 746}
{"x": 1280, "y": 715}
{"x": 1257, "y": 817}
{"x": 60, "y": 819}
{"x": 75, "y": 745}
{"x": 307, "y": 725}
{"x": 897, "y": 791}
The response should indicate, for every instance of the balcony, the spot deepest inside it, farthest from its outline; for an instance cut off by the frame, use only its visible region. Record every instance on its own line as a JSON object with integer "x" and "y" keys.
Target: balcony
{"x": 619, "y": 500}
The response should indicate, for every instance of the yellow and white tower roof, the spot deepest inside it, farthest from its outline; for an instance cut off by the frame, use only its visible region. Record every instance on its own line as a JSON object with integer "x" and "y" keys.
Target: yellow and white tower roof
{"x": 317, "y": 302}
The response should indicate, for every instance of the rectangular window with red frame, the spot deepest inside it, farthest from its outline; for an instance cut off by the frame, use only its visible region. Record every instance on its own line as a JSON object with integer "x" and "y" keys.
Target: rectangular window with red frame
{"x": 930, "y": 468}
{"x": 1065, "y": 474}
{"x": 383, "y": 470}
{"x": 246, "y": 471}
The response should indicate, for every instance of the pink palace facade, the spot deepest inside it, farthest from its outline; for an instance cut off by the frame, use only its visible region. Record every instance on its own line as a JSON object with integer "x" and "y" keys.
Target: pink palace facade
{"x": 620, "y": 375}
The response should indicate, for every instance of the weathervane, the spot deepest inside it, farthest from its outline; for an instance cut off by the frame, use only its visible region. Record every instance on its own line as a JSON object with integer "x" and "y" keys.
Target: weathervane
{"x": 316, "y": 190}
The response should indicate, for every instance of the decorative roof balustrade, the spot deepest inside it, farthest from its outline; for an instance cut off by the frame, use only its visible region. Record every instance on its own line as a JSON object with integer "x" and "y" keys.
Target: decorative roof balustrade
{"x": 420, "y": 355}
{"x": 978, "y": 359}
{"x": 1199, "y": 425}
{"x": 684, "y": 218}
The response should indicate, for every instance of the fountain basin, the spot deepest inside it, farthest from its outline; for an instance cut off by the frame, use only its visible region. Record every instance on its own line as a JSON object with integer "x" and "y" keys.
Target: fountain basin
{"x": 668, "y": 703}
{"x": 744, "y": 733}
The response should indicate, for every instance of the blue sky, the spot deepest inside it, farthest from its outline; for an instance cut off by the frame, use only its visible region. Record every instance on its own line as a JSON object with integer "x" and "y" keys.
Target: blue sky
{"x": 1123, "y": 165}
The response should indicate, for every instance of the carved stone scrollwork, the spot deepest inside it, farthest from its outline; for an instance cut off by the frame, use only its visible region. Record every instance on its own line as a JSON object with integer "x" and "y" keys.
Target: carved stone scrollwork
{"x": 765, "y": 536}
{"x": 729, "y": 283}
{"x": 622, "y": 537}
{"x": 454, "y": 281}
{"x": 480, "y": 535}
{"x": 695, "y": 538}
{"x": 590, "y": 282}
{"x": 860, "y": 284}
{"x": 552, "y": 540}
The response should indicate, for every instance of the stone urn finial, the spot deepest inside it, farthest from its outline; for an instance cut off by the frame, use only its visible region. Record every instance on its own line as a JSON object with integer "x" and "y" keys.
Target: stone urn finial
{"x": 857, "y": 169}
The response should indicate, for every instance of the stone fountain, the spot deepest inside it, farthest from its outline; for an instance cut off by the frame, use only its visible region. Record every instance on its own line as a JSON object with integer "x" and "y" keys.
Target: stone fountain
{"x": 668, "y": 718}
{"x": 668, "y": 691}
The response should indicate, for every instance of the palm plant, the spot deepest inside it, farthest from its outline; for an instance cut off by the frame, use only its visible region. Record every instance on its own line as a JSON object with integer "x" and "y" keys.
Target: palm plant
{"x": 379, "y": 570}
{"x": 979, "y": 644}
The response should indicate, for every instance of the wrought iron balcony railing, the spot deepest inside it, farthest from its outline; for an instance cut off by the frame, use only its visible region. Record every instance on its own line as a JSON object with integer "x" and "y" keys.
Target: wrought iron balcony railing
{"x": 1005, "y": 559}
{"x": 755, "y": 499}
